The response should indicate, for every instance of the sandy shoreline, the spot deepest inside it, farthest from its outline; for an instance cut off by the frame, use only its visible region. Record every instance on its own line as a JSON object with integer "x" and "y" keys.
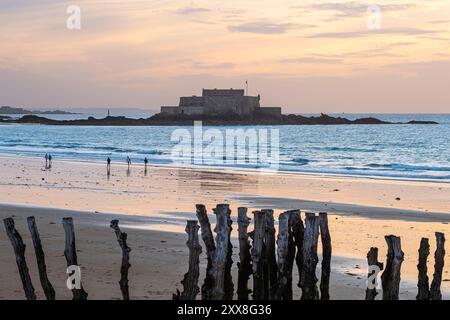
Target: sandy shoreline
{"x": 155, "y": 206}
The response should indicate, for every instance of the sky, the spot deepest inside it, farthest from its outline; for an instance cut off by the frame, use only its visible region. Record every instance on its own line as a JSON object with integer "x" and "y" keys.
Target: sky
{"x": 305, "y": 56}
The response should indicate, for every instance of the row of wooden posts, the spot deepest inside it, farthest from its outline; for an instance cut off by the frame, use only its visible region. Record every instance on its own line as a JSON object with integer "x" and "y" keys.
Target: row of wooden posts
{"x": 70, "y": 254}
{"x": 268, "y": 260}
{"x": 271, "y": 262}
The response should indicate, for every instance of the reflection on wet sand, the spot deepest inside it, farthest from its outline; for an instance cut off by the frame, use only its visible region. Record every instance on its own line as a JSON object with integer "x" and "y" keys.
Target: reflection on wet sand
{"x": 217, "y": 181}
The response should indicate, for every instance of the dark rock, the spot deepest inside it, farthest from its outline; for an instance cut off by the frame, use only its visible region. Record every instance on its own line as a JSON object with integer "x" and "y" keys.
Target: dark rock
{"x": 162, "y": 119}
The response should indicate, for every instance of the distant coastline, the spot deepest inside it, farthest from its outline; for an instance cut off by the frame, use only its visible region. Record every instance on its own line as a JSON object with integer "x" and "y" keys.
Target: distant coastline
{"x": 19, "y": 111}
{"x": 162, "y": 119}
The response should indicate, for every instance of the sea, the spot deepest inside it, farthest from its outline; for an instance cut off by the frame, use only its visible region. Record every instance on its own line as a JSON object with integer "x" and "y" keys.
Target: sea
{"x": 397, "y": 151}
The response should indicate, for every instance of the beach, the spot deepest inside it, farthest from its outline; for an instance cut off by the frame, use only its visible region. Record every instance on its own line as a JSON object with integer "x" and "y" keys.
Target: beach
{"x": 153, "y": 208}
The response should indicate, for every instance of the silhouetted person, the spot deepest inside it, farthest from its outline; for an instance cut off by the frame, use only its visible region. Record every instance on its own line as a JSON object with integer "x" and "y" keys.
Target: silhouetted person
{"x": 108, "y": 166}
{"x": 46, "y": 160}
{"x": 49, "y": 161}
{"x": 145, "y": 165}
{"x": 128, "y": 162}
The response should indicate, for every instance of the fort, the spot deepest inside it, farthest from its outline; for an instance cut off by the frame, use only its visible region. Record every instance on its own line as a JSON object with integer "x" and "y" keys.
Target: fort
{"x": 216, "y": 102}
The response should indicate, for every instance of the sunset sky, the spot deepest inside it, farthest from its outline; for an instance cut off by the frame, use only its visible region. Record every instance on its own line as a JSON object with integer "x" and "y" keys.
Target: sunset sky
{"x": 306, "y": 56}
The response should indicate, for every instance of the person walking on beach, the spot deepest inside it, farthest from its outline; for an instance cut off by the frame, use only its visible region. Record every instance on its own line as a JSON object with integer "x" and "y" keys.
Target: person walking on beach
{"x": 129, "y": 164}
{"x": 46, "y": 160}
{"x": 49, "y": 161}
{"x": 108, "y": 165}
{"x": 145, "y": 165}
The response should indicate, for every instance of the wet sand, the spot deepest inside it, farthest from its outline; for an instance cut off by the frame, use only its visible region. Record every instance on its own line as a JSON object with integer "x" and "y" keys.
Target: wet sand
{"x": 153, "y": 209}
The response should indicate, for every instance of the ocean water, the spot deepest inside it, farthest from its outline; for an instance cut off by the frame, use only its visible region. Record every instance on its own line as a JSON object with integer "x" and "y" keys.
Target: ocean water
{"x": 396, "y": 151}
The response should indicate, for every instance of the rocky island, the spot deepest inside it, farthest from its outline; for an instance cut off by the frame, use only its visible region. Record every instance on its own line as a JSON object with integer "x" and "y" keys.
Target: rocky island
{"x": 214, "y": 107}
{"x": 163, "y": 120}
{"x": 11, "y": 110}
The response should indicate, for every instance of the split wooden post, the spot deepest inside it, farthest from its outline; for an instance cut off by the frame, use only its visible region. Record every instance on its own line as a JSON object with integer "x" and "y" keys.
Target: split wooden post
{"x": 19, "y": 251}
{"x": 190, "y": 281}
{"x": 310, "y": 258}
{"x": 298, "y": 232}
{"x": 70, "y": 253}
{"x": 375, "y": 267}
{"x": 423, "y": 284}
{"x": 390, "y": 278}
{"x": 326, "y": 256}
{"x": 286, "y": 255}
{"x": 258, "y": 256}
{"x": 244, "y": 264}
{"x": 122, "y": 240}
{"x": 49, "y": 291}
{"x": 208, "y": 240}
{"x": 229, "y": 285}
{"x": 439, "y": 256}
{"x": 270, "y": 277}
{"x": 219, "y": 268}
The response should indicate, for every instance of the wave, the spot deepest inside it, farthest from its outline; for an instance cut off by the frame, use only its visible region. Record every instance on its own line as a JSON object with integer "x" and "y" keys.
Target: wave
{"x": 345, "y": 149}
{"x": 301, "y": 161}
{"x": 407, "y": 167}
{"x": 152, "y": 152}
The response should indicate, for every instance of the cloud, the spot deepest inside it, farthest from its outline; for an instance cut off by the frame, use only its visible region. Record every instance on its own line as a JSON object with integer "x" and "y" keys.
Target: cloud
{"x": 353, "y": 9}
{"x": 265, "y": 27}
{"x": 366, "y": 33}
{"x": 191, "y": 10}
{"x": 202, "y": 65}
{"x": 20, "y": 4}
{"x": 312, "y": 60}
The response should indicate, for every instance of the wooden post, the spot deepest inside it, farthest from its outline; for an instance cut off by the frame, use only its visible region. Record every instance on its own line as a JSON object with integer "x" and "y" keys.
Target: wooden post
{"x": 423, "y": 284}
{"x": 70, "y": 253}
{"x": 219, "y": 262}
{"x": 190, "y": 281}
{"x": 298, "y": 232}
{"x": 19, "y": 251}
{"x": 286, "y": 255}
{"x": 229, "y": 285}
{"x": 49, "y": 291}
{"x": 390, "y": 278}
{"x": 439, "y": 256}
{"x": 244, "y": 265}
{"x": 326, "y": 256}
{"x": 122, "y": 240}
{"x": 310, "y": 258}
{"x": 258, "y": 256}
{"x": 270, "y": 277}
{"x": 372, "y": 261}
{"x": 208, "y": 239}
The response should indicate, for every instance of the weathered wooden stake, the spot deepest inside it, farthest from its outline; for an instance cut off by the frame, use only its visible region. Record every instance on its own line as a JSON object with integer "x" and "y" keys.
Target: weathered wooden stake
{"x": 326, "y": 256}
{"x": 190, "y": 281}
{"x": 244, "y": 264}
{"x": 270, "y": 274}
{"x": 208, "y": 239}
{"x": 258, "y": 256}
{"x": 439, "y": 256}
{"x": 49, "y": 291}
{"x": 298, "y": 231}
{"x": 310, "y": 258}
{"x": 19, "y": 251}
{"x": 122, "y": 240}
{"x": 390, "y": 278}
{"x": 374, "y": 268}
{"x": 229, "y": 285}
{"x": 219, "y": 260}
{"x": 70, "y": 253}
{"x": 286, "y": 255}
{"x": 423, "y": 284}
